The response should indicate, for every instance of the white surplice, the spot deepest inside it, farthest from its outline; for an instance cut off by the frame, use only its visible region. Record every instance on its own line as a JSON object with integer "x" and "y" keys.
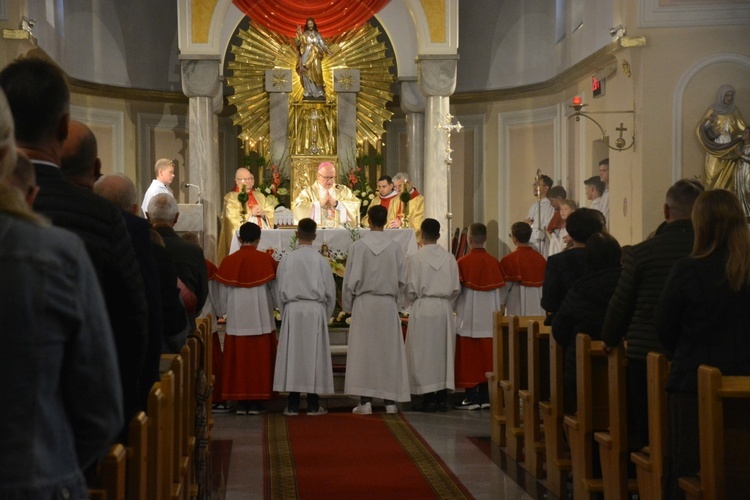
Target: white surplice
{"x": 474, "y": 310}
{"x": 249, "y": 311}
{"x": 306, "y": 299}
{"x": 541, "y": 213}
{"x": 432, "y": 286}
{"x": 374, "y": 280}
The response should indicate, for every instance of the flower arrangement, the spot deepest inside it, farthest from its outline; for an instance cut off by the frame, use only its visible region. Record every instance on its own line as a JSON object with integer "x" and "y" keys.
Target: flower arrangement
{"x": 360, "y": 186}
{"x": 274, "y": 182}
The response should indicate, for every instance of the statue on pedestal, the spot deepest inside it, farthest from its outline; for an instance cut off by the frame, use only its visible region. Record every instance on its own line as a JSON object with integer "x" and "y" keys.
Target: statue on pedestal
{"x": 310, "y": 50}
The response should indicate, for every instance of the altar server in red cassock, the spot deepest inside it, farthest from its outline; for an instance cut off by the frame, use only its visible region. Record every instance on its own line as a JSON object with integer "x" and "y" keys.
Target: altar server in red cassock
{"x": 524, "y": 271}
{"x": 246, "y": 296}
{"x": 482, "y": 293}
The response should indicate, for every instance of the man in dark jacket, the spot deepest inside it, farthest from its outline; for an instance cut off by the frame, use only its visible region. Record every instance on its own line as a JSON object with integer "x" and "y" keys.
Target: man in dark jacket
{"x": 630, "y": 314}
{"x": 39, "y": 100}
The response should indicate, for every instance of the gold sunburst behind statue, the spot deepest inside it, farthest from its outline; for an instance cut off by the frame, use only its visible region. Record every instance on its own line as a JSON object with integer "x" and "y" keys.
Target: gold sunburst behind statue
{"x": 260, "y": 50}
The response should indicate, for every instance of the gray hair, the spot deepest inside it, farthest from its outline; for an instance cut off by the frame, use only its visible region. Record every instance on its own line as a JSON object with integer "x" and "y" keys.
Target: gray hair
{"x": 401, "y": 176}
{"x": 119, "y": 189}
{"x": 162, "y": 208}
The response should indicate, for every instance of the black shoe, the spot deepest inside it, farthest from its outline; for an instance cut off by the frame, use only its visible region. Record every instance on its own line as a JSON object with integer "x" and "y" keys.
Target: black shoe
{"x": 467, "y": 405}
{"x": 442, "y": 407}
{"x": 427, "y": 408}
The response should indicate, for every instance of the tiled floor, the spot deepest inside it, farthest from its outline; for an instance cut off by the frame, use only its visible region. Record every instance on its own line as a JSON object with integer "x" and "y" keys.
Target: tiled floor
{"x": 459, "y": 437}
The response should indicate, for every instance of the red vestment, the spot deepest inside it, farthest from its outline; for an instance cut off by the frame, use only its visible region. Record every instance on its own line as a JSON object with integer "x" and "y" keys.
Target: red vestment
{"x": 525, "y": 265}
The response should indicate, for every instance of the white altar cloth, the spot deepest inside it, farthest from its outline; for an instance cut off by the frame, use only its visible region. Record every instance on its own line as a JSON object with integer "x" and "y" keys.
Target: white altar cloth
{"x": 282, "y": 241}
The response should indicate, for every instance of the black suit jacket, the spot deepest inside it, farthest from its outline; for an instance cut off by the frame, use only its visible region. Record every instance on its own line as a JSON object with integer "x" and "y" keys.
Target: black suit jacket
{"x": 189, "y": 262}
{"x": 101, "y": 227}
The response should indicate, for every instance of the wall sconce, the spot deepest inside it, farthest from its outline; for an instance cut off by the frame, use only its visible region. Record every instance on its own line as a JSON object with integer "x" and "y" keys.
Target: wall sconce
{"x": 620, "y": 142}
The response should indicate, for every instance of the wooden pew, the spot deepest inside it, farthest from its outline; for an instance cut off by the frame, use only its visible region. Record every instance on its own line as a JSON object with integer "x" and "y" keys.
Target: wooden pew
{"x": 613, "y": 443}
{"x": 592, "y": 414}
{"x": 538, "y": 364}
{"x": 160, "y": 440}
{"x": 499, "y": 372}
{"x": 724, "y": 422}
{"x": 195, "y": 352}
{"x": 176, "y": 364}
{"x": 557, "y": 456}
{"x": 202, "y": 406}
{"x": 649, "y": 461}
{"x": 137, "y": 468}
{"x": 517, "y": 380}
{"x": 109, "y": 483}
{"x": 203, "y": 331}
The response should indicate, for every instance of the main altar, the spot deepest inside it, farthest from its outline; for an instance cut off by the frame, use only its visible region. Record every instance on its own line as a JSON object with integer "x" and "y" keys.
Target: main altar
{"x": 307, "y": 99}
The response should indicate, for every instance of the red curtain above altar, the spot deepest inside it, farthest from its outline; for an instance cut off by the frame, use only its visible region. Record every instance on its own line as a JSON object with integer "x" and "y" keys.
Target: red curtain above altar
{"x": 332, "y": 16}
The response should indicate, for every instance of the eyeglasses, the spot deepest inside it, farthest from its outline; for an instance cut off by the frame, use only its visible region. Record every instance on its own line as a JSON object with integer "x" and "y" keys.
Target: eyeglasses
{"x": 327, "y": 178}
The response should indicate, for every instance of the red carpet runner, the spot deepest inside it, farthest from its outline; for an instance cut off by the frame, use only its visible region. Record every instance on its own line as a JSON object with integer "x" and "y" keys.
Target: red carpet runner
{"x": 352, "y": 456}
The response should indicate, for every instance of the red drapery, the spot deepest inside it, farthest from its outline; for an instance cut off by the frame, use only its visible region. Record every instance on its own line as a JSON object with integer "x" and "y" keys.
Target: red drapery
{"x": 332, "y": 16}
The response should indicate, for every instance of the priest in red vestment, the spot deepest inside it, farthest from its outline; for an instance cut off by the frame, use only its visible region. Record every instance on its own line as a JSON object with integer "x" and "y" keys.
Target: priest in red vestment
{"x": 482, "y": 293}
{"x": 246, "y": 278}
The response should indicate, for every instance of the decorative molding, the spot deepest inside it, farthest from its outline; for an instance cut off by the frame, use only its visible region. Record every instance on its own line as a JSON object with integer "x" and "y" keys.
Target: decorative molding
{"x": 113, "y": 119}
{"x": 476, "y": 123}
{"x": 677, "y": 103}
{"x": 505, "y": 121}
{"x": 653, "y": 15}
{"x": 145, "y": 124}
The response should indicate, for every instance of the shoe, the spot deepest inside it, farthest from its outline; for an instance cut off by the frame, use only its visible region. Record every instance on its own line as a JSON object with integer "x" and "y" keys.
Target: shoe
{"x": 255, "y": 409}
{"x": 318, "y": 411}
{"x": 241, "y": 408}
{"x": 442, "y": 407}
{"x": 220, "y": 408}
{"x": 391, "y": 409}
{"x": 289, "y": 412}
{"x": 363, "y": 409}
{"x": 467, "y": 405}
{"x": 485, "y": 406}
{"x": 426, "y": 408}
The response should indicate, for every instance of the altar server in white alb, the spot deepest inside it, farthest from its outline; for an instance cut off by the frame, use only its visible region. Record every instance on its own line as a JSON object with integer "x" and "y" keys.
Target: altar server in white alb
{"x": 374, "y": 280}
{"x": 432, "y": 287}
{"x": 306, "y": 298}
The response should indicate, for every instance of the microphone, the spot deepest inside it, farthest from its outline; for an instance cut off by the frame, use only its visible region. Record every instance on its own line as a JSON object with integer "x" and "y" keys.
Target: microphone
{"x": 188, "y": 185}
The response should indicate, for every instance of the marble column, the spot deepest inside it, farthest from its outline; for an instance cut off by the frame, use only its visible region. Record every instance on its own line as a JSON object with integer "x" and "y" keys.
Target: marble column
{"x": 200, "y": 83}
{"x": 413, "y": 106}
{"x": 437, "y": 81}
{"x": 346, "y": 84}
{"x": 279, "y": 86}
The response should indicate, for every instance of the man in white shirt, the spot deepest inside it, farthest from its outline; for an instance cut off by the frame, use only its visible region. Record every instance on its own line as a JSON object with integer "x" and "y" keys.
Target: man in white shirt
{"x": 594, "y": 191}
{"x": 327, "y": 203}
{"x": 540, "y": 214}
{"x": 604, "y": 177}
{"x": 164, "y": 170}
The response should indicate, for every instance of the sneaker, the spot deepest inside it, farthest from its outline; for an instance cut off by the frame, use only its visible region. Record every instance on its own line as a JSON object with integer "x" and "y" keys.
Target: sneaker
{"x": 363, "y": 409}
{"x": 391, "y": 409}
{"x": 485, "y": 406}
{"x": 255, "y": 409}
{"x": 241, "y": 408}
{"x": 220, "y": 408}
{"x": 289, "y": 412}
{"x": 467, "y": 405}
{"x": 318, "y": 411}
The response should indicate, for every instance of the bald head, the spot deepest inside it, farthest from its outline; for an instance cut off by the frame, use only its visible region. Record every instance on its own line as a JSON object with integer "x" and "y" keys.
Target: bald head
{"x": 80, "y": 162}
{"x": 244, "y": 176}
{"x": 120, "y": 190}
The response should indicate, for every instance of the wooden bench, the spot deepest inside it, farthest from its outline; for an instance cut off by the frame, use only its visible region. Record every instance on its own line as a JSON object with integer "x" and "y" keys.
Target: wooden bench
{"x": 137, "y": 468}
{"x": 109, "y": 483}
{"x": 613, "y": 443}
{"x": 556, "y": 452}
{"x": 160, "y": 441}
{"x": 517, "y": 380}
{"x": 592, "y": 414}
{"x": 499, "y": 372}
{"x": 724, "y": 422}
{"x": 538, "y": 389}
{"x": 649, "y": 461}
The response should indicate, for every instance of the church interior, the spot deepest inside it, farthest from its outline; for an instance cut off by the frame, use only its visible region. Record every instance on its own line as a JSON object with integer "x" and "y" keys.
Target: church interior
{"x": 473, "y": 99}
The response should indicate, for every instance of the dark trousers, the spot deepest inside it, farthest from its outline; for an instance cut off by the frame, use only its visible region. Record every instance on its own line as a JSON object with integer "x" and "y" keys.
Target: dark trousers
{"x": 683, "y": 457}
{"x": 637, "y": 391}
{"x": 313, "y": 401}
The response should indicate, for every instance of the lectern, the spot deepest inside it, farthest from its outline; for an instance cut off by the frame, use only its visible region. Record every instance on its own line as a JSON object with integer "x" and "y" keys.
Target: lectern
{"x": 190, "y": 219}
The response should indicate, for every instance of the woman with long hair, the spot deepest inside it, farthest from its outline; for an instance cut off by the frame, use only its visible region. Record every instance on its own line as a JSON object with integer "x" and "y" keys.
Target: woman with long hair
{"x": 703, "y": 318}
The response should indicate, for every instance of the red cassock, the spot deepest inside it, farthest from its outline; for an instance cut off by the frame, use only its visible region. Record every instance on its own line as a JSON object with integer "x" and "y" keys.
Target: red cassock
{"x": 248, "y": 360}
{"x": 479, "y": 271}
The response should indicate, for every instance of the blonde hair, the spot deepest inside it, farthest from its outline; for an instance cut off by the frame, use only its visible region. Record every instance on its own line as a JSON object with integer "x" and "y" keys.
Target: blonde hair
{"x": 570, "y": 204}
{"x": 719, "y": 223}
{"x": 162, "y": 164}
